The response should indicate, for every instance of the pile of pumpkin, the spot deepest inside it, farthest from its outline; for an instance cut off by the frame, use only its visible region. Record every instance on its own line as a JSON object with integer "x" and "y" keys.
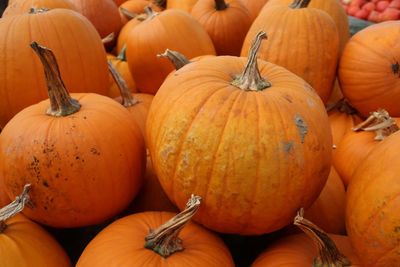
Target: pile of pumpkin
{"x": 207, "y": 121}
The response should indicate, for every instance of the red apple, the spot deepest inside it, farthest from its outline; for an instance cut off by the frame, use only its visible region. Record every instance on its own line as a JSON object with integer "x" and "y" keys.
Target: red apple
{"x": 390, "y": 14}
{"x": 374, "y": 16}
{"x": 382, "y": 5}
{"x": 395, "y": 4}
{"x": 369, "y": 6}
{"x": 358, "y": 3}
{"x": 362, "y": 14}
{"x": 352, "y": 10}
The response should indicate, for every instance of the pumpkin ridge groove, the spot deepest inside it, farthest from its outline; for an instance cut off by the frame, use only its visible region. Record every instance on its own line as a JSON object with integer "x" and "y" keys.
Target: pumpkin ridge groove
{"x": 384, "y": 254}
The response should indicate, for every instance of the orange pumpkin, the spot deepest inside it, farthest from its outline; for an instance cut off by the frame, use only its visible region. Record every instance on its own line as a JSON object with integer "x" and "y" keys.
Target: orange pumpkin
{"x": 23, "y": 6}
{"x": 302, "y": 39}
{"x": 372, "y": 220}
{"x": 369, "y": 69}
{"x": 226, "y": 22}
{"x": 173, "y": 29}
{"x": 254, "y": 7}
{"x": 216, "y": 142}
{"x": 139, "y": 240}
{"x": 299, "y": 251}
{"x": 84, "y": 157}
{"x": 136, "y": 7}
{"x": 25, "y": 243}
{"x": 124, "y": 33}
{"x": 186, "y": 5}
{"x": 82, "y": 61}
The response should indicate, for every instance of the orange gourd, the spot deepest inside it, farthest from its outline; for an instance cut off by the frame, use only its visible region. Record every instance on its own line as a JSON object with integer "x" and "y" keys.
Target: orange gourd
{"x": 80, "y": 54}
{"x": 84, "y": 157}
{"x": 135, "y": 7}
{"x": 254, "y": 7}
{"x": 23, "y": 6}
{"x": 241, "y": 143}
{"x": 124, "y": 33}
{"x": 186, "y": 5}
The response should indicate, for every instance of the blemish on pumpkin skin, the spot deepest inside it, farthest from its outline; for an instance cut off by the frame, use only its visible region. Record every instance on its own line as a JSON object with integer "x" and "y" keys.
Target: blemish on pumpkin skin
{"x": 301, "y": 127}
{"x": 396, "y": 68}
{"x": 397, "y": 229}
{"x": 288, "y": 146}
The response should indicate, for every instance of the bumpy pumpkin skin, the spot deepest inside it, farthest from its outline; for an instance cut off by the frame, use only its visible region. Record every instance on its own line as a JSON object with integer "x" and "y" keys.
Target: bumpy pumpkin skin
{"x": 305, "y": 41}
{"x": 245, "y": 153}
{"x": 24, "y": 243}
{"x": 74, "y": 41}
{"x": 121, "y": 244}
{"x": 369, "y": 72}
{"x": 89, "y": 175}
{"x": 372, "y": 220}
{"x": 23, "y": 6}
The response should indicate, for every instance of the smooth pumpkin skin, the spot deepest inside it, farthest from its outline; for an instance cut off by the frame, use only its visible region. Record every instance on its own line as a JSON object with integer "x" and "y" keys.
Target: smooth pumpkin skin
{"x": 186, "y": 5}
{"x": 89, "y": 175}
{"x": 80, "y": 54}
{"x": 24, "y": 243}
{"x": 23, "y": 6}
{"x": 122, "y": 244}
{"x": 299, "y": 251}
{"x": 305, "y": 41}
{"x": 173, "y": 29}
{"x": 221, "y": 143}
{"x": 366, "y": 73}
{"x": 254, "y": 7}
{"x": 124, "y": 33}
{"x": 227, "y": 28}
{"x": 372, "y": 201}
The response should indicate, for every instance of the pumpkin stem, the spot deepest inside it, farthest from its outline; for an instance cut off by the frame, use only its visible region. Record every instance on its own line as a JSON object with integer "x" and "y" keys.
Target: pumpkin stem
{"x": 165, "y": 240}
{"x": 122, "y": 54}
{"x": 329, "y": 255}
{"x": 300, "y": 4}
{"x": 379, "y": 122}
{"x": 343, "y": 106}
{"x": 176, "y": 58}
{"x": 37, "y": 10}
{"x": 109, "y": 38}
{"x": 221, "y": 5}
{"x": 61, "y": 103}
{"x": 128, "y": 14}
{"x": 250, "y": 79}
{"x": 14, "y": 207}
{"x": 150, "y": 13}
{"x": 127, "y": 98}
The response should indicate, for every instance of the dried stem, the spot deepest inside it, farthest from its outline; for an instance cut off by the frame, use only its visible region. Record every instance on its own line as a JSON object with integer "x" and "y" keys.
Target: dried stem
{"x": 37, "y": 10}
{"x": 122, "y": 54}
{"x": 127, "y": 98}
{"x": 176, "y": 58}
{"x": 165, "y": 240}
{"x": 250, "y": 79}
{"x": 61, "y": 102}
{"x": 300, "y": 4}
{"x": 150, "y": 13}
{"x": 128, "y": 14}
{"x": 14, "y": 207}
{"x": 108, "y": 39}
{"x": 329, "y": 255}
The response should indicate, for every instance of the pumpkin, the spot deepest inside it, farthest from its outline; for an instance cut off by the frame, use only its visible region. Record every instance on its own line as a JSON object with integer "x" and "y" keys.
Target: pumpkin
{"x": 23, "y": 6}
{"x": 334, "y": 9}
{"x": 355, "y": 145}
{"x": 82, "y": 61}
{"x": 302, "y": 39}
{"x": 182, "y": 5}
{"x": 298, "y": 250}
{"x": 25, "y": 243}
{"x": 226, "y": 22}
{"x": 369, "y": 69}
{"x": 219, "y": 140}
{"x": 4, "y": 199}
{"x": 124, "y": 33}
{"x": 132, "y": 8}
{"x": 372, "y": 220}
{"x": 173, "y": 29}
{"x": 254, "y": 7}
{"x": 85, "y": 156}
{"x": 139, "y": 240}
{"x": 119, "y": 2}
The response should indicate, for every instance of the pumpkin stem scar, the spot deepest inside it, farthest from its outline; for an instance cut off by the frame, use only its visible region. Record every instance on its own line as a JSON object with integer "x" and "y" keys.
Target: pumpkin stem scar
{"x": 176, "y": 58}
{"x": 301, "y": 127}
{"x": 250, "y": 79}
{"x": 221, "y": 5}
{"x": 300, "y": 4}
{"x": 61, "y": 103}
{"x": 165, "y": 240}
{"x": 14, "y": 207}
{"x": 329, "y": 255}
{"x": 127, "y": 98}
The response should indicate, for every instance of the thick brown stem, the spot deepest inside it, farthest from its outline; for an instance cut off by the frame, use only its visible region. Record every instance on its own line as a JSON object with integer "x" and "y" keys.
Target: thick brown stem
{"x": 300, "y": 4}
{"x": 128, "y": 14}
{"x": 61, "y": 103}
{"x": 379, "y": 122}
{"x": 37, "y": 10}
{"x": 250, "y": 79}
{"x": 176, "y": 58}
{"x": 108, "y": 39}
{"x": 127, "y": 98}
{"x": 150, "y": 13}
{"x": 165, "y": 240}
{"x": 329, "y": 255}
{"x": 14, "y": 207}
{"x": 221, "y": 5}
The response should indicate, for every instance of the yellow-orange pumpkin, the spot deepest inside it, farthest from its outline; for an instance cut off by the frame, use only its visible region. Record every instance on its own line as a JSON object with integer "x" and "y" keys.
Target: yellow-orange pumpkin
{"x": 24, "y": 6}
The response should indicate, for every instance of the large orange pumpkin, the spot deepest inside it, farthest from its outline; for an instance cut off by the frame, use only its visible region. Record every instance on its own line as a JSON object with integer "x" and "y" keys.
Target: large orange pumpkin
{"x": 186, "y": 5}
{"x": 369, "y": 69}
{"x": 80, "y": 54}
{"x": 173, "y": 29}
{"x": 372, "y": 220}
{"x": 139, "y": 240}
{"x": 124, "y": 33}
{"x": 25, "y": 243}
{"x": 23, "y": 6}
{"x": 254, "y": 7}
{"x": 302, "y": 39}
{"x": 136, "y": 7}
{"x": 247, "y": 145}
{"x": 84, "y": 157}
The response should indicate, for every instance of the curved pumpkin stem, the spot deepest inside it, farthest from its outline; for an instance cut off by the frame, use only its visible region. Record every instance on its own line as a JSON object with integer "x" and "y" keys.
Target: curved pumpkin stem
{"x": 150, "y": 13}
{"x": 379, "y": 122}
{"x": 300, "y": 4}
{"x": 122, "y": 54}
{"x": 329, "y": 255}
{"x": 127, "y": 98}
{"x": 128, "y": 14}
{"x": 14, "y": 207}
{"x": 109, "y": 38}
{"x": 165, "y": 240}
{"x": 61, "y": 103}
{"x": 250, "y": 79}
{"x": 176, "y": 58}
{"x": 221, "y": 5}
